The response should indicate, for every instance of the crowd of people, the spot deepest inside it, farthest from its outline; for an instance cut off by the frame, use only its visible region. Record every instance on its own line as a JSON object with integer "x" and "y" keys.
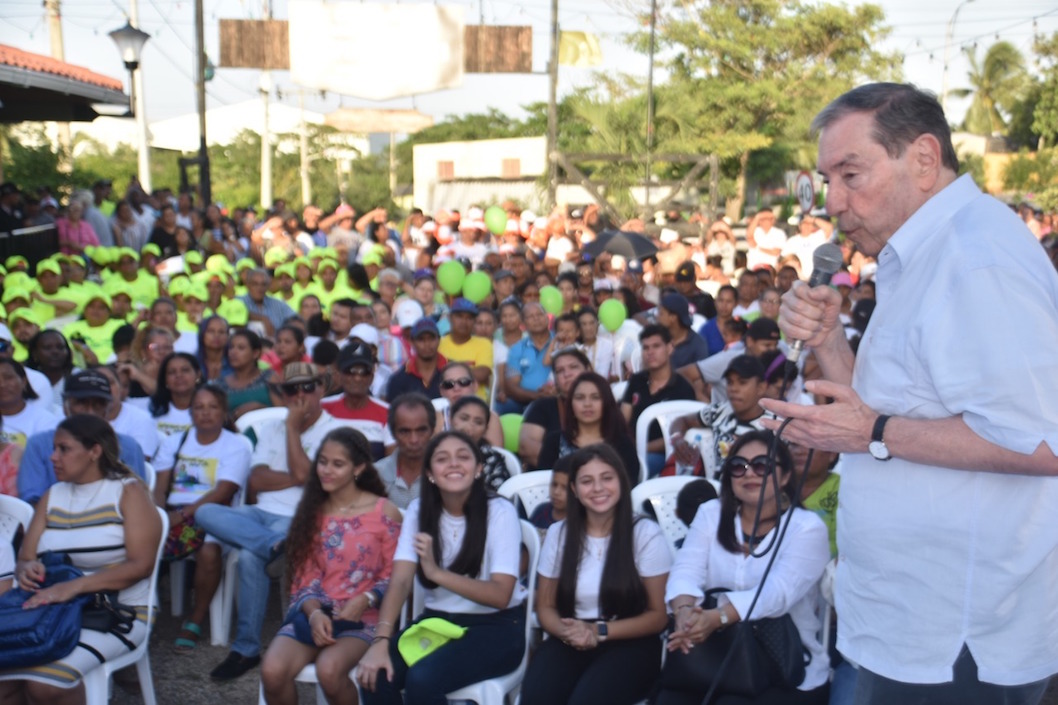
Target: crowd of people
{"x": 160, "y": 323}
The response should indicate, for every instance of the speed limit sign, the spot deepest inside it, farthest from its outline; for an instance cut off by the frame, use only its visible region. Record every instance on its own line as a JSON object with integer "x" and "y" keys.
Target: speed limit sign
{"x": 806, "y": 191}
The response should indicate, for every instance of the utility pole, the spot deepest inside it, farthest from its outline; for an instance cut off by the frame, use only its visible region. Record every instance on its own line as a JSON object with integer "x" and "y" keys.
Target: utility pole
{"x": 266, "y": 137}
{"x": 139, "y": 107}
{"x": 58, "y": 52}
{"x": 650, "y": 109}
{"x": 303, "y": 130}
{"x": 552, "y": 111}
{"x": 200, "y": 84}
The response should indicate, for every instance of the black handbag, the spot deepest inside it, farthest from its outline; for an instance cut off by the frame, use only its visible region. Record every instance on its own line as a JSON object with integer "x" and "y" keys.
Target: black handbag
{"x": 746, "y": 657}
{"x": 105, "y": 614}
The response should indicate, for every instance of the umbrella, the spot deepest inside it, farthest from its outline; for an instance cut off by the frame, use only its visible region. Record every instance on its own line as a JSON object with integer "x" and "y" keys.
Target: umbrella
{"x": 618, "y": 242}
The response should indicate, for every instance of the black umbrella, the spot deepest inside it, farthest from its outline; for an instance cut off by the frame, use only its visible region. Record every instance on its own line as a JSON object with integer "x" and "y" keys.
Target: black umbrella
{"x": 618, "y": 242}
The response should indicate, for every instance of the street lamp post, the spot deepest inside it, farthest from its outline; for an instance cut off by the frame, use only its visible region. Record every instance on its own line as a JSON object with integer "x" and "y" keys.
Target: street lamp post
{"x": 130, "y": 41}
{"x": 947, "y": 55}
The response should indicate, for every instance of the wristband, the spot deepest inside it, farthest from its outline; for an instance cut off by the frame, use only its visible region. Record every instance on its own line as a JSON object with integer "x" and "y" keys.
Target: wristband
{"x": 313, "y": 613}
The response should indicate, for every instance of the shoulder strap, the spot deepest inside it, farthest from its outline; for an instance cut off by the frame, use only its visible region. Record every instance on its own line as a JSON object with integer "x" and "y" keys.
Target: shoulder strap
{"x": 176, "y": 457}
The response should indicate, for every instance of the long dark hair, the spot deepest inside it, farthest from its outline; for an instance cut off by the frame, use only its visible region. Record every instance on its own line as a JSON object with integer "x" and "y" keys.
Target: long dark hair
{"x": 252, "y": 339}
{"x": 612, "y": 424}
{"x": 304, "y": 536}
{"x": 475, "y": 511}
{"x": 27, "y": 389}
{"x": 162, "y": 398}
{"x": 201, "y": 353}
{"x": 730, "y": 504}
{"x": 621, "y": 590}
{"x": 90, "y": 430}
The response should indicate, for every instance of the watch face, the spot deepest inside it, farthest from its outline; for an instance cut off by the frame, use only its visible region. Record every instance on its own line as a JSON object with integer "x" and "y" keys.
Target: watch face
{"x": 603, "y": 630}
{"x": 878, "y": 450}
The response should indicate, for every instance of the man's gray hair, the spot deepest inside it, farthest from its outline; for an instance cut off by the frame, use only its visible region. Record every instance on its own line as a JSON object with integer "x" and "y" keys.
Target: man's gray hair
{"x": 260, "y": 271}
{"x": 902, "y": 114}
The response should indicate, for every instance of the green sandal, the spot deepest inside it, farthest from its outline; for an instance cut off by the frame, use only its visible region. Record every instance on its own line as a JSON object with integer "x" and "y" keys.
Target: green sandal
{"x": 185, "y": 645}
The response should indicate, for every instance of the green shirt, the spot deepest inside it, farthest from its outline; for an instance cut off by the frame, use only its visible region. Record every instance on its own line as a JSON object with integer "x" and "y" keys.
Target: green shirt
{"x": 824, "y": 502}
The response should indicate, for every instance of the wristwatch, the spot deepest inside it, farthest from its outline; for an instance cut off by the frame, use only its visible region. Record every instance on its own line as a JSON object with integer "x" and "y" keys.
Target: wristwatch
{"x": 877, "y": 446}
{"x": 724, "y": 619}
{"x": 602, "y": 631}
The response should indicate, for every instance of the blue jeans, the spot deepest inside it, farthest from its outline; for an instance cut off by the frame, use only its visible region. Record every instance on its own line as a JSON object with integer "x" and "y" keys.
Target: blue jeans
{"x": 253, "y": 532}
{"x": 964, "y": 689}
{"x": 492, "y": 646}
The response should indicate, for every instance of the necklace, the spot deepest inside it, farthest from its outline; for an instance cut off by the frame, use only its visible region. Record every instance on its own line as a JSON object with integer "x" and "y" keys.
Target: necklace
{"x": 358, "y": 503}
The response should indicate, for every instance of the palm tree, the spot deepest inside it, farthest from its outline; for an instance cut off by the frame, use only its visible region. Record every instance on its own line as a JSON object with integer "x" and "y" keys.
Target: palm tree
{"x": 996, "y": 85}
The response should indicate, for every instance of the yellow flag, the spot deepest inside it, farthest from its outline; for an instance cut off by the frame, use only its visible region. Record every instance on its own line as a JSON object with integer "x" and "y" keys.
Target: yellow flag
{"x": 579, "y": 49}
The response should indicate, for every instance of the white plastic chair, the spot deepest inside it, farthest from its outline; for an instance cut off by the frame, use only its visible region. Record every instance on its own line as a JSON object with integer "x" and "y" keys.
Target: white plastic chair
{"x": 13, "y": 513}
{"x": 440, "y": 404}
{"x": 257, "y": 416}
{"x": 150, "y": 476}
{"x": 618, "y": 389}
{"x": 703, "y": 439}
{"x": 97, "y": 680}
{"x": 662, "y": 492}
{"x": 530, "y": 488}
{"x": 514, "y": 465}
{"x": 664, "y": 412}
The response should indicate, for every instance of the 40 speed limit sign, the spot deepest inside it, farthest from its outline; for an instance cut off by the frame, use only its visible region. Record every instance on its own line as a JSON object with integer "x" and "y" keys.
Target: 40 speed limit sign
{"x": 806, "y": 191}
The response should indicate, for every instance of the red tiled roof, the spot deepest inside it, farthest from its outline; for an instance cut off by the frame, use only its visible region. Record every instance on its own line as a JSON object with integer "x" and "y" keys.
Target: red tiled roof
{"x": 10, "y": 56}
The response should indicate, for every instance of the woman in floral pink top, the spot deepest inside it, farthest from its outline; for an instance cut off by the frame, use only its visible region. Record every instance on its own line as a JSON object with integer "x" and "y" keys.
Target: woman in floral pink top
{"x": 74, "y": 233}
{"x": 340, "y": 555}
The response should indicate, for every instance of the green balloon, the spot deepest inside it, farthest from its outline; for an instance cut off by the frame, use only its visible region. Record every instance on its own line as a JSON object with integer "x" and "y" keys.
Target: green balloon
{"x": 496, "y": 220}
{"x": 450, "y": 276}
{"x": 612, "y": 314}
{"x": 477, "y": 286}
{"x": 512, "y": 426}
{"x": 551, "y": 300}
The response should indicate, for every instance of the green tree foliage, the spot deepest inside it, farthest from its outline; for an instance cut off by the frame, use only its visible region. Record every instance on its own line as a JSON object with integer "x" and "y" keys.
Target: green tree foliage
{"x": 1045, "y": 116}
{"x": 753, "y": 72}
{"x": 30, "y": 160}
{"x": 997, "y": 83}
{"x": 1034, "y": 176}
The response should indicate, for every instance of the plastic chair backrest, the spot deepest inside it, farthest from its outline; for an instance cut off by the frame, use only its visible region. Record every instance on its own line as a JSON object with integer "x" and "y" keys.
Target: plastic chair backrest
{"x": 252, "y": 418}
{"x": 661, "y": 493}
{"x": 664, "y": 412}
{"x": 514, "y": 465}
{"x": 530, "y": 488}
{"x": 150, "y": 476}
{"x": 703, "y": 438}
{"x": 13, "y": 513}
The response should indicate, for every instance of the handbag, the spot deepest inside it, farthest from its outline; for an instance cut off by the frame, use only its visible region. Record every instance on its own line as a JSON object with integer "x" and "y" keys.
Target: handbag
{"x": 46, "y": 633}
{"x": 759, "y": 654}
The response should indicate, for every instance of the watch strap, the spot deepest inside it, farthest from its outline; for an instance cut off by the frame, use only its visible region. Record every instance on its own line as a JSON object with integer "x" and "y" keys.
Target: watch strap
{"x": 879, "y": 428}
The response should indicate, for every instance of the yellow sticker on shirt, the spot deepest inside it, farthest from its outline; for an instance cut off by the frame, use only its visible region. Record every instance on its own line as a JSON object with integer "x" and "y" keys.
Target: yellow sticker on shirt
{"x": 15, "y": 437}
{"x": 193, "y": 477}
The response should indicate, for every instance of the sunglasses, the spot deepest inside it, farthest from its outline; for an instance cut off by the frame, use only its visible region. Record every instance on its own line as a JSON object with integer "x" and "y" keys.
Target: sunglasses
{"x": 292, "y": 390}
{"x": 358, "y": 372}
{"x": 761, "y": 466}
{"x": 463, "y": 382}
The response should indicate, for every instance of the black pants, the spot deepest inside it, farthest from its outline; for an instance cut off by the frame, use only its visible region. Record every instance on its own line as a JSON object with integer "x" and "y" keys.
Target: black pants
{"x": 964, "y": 689}
{"x": 772, "y": 696}
{"x": 619, "y": 672}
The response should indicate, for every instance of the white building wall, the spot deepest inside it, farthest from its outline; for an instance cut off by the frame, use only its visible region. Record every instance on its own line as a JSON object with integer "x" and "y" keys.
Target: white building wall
{"x": 474, "y": 160}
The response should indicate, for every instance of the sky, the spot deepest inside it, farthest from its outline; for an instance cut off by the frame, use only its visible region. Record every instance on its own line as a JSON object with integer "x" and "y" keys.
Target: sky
{"x": 918, "y": 34}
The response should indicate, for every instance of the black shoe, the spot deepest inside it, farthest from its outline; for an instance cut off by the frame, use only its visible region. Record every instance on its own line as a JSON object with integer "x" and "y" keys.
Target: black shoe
{"x": 276, "y": 561}
{"x": 234, "y": 666}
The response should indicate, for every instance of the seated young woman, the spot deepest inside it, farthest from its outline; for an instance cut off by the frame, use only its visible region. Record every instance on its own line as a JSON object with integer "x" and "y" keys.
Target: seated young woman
{"x": 340, "y": 554}
{"x": 726, "y": 548}
{"x": 462, "y": 544}
{"x": 601, "y": 595}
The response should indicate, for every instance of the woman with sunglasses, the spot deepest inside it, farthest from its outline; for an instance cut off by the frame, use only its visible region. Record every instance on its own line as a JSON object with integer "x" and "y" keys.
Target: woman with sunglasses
{"x": 728, "y": 546}
{"x": 601, "y": 593}
{"x": 207, "y": 464}
{"x": 590, "y": 415}
{"x": 457, "y": 381}
{"x": 247, "y": 385}
{"x": 461, "y": 543}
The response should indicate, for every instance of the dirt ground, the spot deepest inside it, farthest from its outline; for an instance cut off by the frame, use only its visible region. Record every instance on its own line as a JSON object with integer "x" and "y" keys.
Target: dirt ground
{"x": 183, "y": 679}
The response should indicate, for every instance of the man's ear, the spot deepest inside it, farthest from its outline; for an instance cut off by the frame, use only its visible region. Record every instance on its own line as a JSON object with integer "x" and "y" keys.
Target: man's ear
{"x": 925, "y": 155}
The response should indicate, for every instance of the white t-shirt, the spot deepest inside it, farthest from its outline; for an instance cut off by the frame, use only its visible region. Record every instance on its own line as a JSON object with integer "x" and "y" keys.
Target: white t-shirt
{"x": 17, "y": 428}
{"x": 198, "y": 468}
{"x": 558, "y": 249}
{"x": 499, "y": 353}
{"x": 601, "y": 355}
{"x": 804, "y": 246}
{"x": 652, "y": 557}
{"x": 134, "y": 421}
{"x": 773, "y": 239}
{"x": 186, "y": 343}
{"x": 271, "y": 451}
{"x": 502, "y": 553}
{"x": 42, "y": 386}
{"x": 174, "y": 421}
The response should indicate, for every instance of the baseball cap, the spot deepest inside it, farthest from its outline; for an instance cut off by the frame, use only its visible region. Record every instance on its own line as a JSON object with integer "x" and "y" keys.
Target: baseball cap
{"x": 604, "y": 285}
{"x": 49, "y": 265}
{"x": 150, "y": 249}
{"x": 297, "y": 372}
{"x": 365, "y": 332}
{"x": 763, "y": 329}
{"x": 16, "y": 260}
{"x": 685, "y": 272}
{"x": 352, "y": 355}
{"x": 28, "y": 315}
{"x": 464, "y": 305}
{"x": 234, "y": 312}
{"x": 407, "y": 312}
{"x": 13, "y": 294}
{"x": 677, "y": 305}
{"x": 193, "y": 257}
{"x": 502, "y": 274}
{"x": 746, "y": 367}
{"x": 423, "y": 326}
{"x": 87, "y": 384}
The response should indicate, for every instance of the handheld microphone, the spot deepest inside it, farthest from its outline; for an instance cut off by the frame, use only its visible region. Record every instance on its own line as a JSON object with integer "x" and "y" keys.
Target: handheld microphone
{"x": 826, "y": 261}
